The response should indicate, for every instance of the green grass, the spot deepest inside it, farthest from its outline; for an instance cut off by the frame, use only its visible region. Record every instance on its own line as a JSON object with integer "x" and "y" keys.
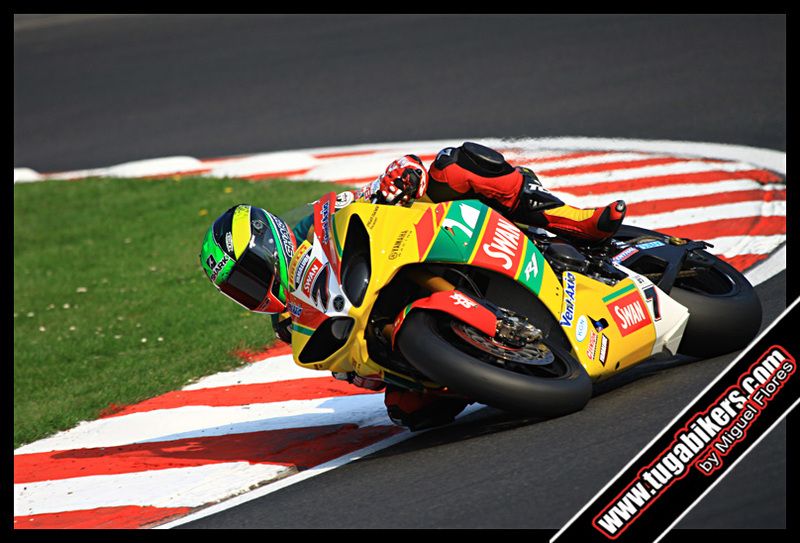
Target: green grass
{"x": 110, "y": 303}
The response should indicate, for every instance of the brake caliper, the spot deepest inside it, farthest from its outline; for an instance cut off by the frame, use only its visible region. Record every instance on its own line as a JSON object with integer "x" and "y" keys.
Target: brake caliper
{"x": 515, "y": 330}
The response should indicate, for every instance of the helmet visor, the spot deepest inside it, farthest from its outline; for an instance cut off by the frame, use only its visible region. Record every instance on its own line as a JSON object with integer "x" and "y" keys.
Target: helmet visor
{"x": 252, "y": 280}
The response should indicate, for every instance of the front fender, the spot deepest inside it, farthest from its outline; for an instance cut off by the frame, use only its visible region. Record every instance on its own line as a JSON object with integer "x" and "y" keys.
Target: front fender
{"x": 456, "y": 304}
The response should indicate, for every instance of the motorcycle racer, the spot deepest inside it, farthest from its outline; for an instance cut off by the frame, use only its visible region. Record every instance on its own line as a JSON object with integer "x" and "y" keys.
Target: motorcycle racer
{"x": 247, "y": 250}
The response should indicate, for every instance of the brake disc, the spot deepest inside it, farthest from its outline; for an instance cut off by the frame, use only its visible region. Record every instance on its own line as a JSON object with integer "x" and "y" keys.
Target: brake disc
{"x": 533, "y": 353}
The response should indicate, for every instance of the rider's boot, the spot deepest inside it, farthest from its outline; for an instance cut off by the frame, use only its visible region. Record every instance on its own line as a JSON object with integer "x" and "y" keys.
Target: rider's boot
{"x": 582, "y": 226}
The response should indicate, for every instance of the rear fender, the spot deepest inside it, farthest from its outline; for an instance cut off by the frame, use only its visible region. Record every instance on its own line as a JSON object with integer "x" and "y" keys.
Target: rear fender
{"x": 456, "y": 304}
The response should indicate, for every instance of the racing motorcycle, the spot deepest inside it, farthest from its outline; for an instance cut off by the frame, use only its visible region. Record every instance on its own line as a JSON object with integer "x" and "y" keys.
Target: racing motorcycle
{"x": 455, "y": 297}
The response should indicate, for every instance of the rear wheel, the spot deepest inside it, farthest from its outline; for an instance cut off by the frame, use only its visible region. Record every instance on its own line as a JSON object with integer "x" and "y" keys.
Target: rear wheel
{"x": 724, "y": 309}
{"x": 540, "y": 378}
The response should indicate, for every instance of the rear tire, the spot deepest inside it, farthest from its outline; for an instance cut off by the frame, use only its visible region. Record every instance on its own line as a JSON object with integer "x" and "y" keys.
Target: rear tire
{"x": 724, "y": 309}
{"x": 718, "y": 323}
{"x": 446, "y": 359}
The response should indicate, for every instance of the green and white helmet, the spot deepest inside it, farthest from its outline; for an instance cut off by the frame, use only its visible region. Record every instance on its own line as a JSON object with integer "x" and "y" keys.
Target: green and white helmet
{"x": 246, "y": 255}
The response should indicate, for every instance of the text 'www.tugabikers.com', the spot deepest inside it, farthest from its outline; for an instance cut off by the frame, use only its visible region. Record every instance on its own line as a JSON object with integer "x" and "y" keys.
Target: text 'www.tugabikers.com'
{"x": 703, "y": 442}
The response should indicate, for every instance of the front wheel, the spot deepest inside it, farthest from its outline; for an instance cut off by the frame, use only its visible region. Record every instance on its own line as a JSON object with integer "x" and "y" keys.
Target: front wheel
{"x": 540, "y": 380}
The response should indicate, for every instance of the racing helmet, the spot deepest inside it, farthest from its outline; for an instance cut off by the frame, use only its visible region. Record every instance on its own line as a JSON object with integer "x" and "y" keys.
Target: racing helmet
{"x": 246, "y": 255}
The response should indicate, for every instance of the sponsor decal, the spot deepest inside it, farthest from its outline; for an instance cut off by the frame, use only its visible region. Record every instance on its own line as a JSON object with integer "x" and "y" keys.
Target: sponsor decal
{"x": 532, "y": 267}
{"x": 295, "y": 310}
{"x": 569, "y": 300}
{"x": 581, "y": 327}
{"x": 338, "y": 302}
{"x": 651, "y": 295}
{"x": 650, "y": 245}
{"x": 591, "y": 346}
{"x": 504, "y": 244}
{"x": 399, "y": 244}
{"x": 469, "y": 215}
{"x": 325, "y": 219}
{"x": 603, "y": 354}
{"x": 211, "y": 261}
{"x": 218, "y": 266}
{"x": 463, "y": 301}
{"x": 455, "y": 231}
{"x": 627, "y": 253}
{"x": 319, "y": 291}
{"x": 630, "y": 313}
{"x": 373, "y": 218}
{"x": 534, "y": 184}
{"x": 313, "y": 270}
{"x": 229, "y": 242}
{"x": 285, "y": 235}
{"x": 301, "y": 265}
{"x": 344, "y": 199}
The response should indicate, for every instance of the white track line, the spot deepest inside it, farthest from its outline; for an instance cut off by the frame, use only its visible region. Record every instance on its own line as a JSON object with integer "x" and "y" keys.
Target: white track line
{"x": 265, "y": 162}
{"x": 273, "y": 369}
{"x": 764, "y": 158}
{"x": 668, "y": 192}
{"x": 307, "y": 474}
{"x": 199, "y": 420}
{"x": 730, "y": 246}
{"x": 172, "y": 487}
{"x": 590, "y": 160}
{"x": 627, "y": 174}
{"x": 766, "y": 269}
{"x": 696, "y": 215}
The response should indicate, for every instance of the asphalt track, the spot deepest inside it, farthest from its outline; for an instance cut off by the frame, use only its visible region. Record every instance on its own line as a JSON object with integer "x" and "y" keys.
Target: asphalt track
{"x": 94, "y": 91}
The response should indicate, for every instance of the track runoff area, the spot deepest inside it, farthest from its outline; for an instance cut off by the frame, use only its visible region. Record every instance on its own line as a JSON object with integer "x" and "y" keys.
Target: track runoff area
{"x": 235, "y": 436}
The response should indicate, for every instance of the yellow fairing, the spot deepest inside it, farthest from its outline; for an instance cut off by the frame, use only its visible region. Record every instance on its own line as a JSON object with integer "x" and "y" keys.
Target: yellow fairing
{"x": 595, "y": 302}
{"x": 393, "y": 245}
{"x": 609, "y": 327}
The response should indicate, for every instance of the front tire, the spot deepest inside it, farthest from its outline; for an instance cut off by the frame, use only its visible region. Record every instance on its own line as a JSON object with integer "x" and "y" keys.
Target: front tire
{"x": 445, "y": 358}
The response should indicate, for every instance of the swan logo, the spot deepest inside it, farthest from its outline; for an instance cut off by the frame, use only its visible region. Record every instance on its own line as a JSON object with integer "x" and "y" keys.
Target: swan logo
{"x": 505, "y": 243}
{"x": 629, "y": 313}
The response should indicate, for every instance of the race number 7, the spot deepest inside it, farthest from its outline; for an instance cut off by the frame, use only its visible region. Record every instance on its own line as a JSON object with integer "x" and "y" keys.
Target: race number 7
{"x": 651, "y": 295}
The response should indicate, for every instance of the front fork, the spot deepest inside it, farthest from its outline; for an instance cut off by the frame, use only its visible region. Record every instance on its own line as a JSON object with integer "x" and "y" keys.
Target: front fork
{"x": 428, "y": 281}
{"x": 506, "y": 327}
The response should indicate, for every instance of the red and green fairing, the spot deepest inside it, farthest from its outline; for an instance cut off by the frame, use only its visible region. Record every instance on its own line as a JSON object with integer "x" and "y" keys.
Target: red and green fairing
{"x": 471, "y": 232}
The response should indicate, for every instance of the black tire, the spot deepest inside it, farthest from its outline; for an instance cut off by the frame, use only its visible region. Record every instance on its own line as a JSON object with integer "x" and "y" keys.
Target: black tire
{"x": 719, "y": 322}
{"x": 449, "y": 362}
{"x": 724, "y": 309}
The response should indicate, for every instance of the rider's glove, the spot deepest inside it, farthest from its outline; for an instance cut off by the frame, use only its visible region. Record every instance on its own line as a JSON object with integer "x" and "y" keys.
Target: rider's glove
{"x": 405, "y": 179}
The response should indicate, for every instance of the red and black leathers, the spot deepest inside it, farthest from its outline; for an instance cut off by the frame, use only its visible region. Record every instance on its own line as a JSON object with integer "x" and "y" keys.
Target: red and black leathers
{"x": 475, "y": 171}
